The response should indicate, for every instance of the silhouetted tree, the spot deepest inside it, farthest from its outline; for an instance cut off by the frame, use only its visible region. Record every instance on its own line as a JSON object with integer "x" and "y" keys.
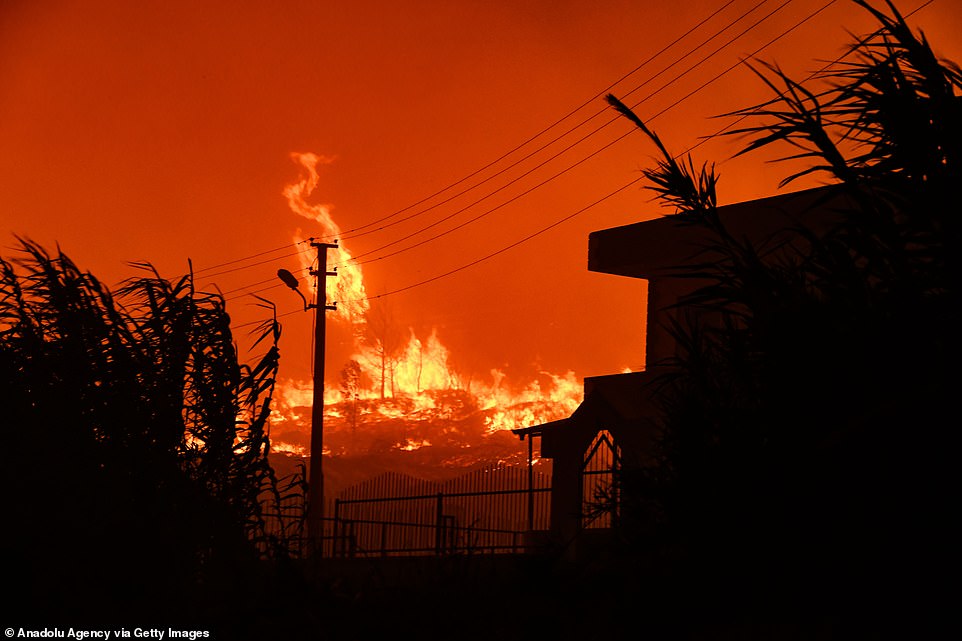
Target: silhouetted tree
{"x": 350, "y": 386}
{"x": 806, "y": 455}
{"x": 387, "y": 339}
{"x": 135, "y": 444}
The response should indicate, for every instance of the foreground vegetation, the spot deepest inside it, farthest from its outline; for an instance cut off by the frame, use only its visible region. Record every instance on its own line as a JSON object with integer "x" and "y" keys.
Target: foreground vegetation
{"x": 806, "y": 459}
{"x": 135, "y": 445}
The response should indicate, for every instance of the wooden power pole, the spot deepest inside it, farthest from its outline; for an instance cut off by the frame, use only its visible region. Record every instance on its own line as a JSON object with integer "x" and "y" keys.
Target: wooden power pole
{"x": 315, "y": 505}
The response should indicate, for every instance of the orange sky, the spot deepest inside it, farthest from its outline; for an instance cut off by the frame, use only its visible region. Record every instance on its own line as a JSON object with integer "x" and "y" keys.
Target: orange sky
{"x": 163, "y": 131}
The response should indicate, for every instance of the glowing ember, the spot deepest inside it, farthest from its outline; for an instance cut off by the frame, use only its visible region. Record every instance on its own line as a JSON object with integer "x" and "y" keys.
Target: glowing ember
{"x": 411, "y": 445}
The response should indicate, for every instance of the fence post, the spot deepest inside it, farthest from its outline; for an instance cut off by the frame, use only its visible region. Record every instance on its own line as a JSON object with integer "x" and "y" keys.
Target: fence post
{"x": 334, "y": 534}
{"x": 530, "y": 482}
{"x": 450, "y": 534}
{"x": 439, "y": 526}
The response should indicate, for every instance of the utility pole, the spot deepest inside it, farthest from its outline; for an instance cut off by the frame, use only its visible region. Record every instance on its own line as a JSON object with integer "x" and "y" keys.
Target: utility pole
{"x": 315, "y": 506}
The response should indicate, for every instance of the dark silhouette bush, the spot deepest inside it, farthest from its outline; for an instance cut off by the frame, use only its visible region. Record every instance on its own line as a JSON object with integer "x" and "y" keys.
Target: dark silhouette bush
{"x": 135, "y": 446}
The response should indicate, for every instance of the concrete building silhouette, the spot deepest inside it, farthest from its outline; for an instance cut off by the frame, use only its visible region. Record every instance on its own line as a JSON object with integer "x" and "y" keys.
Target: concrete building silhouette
{"x": 615, "y": 426}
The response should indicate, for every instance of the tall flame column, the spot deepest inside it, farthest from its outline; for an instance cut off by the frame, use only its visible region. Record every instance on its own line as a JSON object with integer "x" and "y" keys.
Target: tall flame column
{"x": 315, "y": 505}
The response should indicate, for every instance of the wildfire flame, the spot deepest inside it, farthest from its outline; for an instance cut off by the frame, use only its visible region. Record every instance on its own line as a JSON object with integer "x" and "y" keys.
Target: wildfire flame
{"x": 401, "y": 377}
{"x": 348, "y": 287}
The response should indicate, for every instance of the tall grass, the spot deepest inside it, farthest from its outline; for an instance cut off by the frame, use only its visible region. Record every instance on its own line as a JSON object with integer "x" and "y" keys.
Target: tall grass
{"x": 135, "y": 441}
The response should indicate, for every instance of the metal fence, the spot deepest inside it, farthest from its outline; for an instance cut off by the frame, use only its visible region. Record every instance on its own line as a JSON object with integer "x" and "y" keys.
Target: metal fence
{"x": 490, "y": 510}
{"x": 284, "y": 529}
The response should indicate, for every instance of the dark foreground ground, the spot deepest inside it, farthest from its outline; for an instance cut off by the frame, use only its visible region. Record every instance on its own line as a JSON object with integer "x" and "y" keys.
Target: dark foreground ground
{"x": 607, "y": 597}
{"x": 510, "y": 598}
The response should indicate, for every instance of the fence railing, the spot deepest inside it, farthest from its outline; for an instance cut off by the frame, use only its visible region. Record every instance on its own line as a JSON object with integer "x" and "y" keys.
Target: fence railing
{"x": 284, "y": 531}
{"x": 491, "y": 510}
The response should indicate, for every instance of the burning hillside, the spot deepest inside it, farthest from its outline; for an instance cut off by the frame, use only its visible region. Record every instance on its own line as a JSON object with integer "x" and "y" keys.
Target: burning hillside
{"x": 363, "y": 422}
{"x": 398, "y": 396}
{"x": 432, "y": 434}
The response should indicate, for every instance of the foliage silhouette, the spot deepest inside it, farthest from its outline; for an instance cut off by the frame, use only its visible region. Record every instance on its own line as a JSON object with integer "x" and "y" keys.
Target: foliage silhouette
{"x": 136, "y": 445}
{"x": 804, "y": 460}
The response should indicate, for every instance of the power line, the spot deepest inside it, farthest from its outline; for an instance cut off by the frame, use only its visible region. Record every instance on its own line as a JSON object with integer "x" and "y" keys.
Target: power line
{"x": 356, "y": 259}
{"x": 740, "y": 62}
{"x": 199, "y": 272}
{"x": 540, "y": 133}
{"x": 610, "y": 194}
{"x": 260, "y": 322}
{"x": 255, "y": 291}
{"x": 603, "y": 198}
{"x": 258, "y": 263}
{"x": 248, "y": 286}
{"x": 348, "y": 235}
{"x": 546, "y": 129}
{"x": 240, "y": 260}
{"x": 809, "y": 77}
{"x": 273, "y": 279}
{"x": 503, "y": 249}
